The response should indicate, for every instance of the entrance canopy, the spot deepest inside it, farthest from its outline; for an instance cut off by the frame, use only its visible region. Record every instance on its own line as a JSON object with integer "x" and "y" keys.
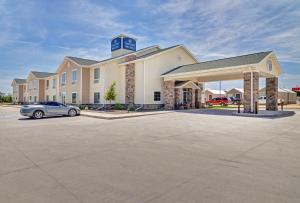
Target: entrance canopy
{"x": 265, "y": 63}
{"x": 247, "y": 67}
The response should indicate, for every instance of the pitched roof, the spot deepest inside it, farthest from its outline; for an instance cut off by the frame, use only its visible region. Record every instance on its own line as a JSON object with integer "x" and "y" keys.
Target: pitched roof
{"x": 20, "y": 81}
{"x": 82, "y": 61}
{"x": 38, "y": 74}
{"x": 88, "y": 62}
{"x": 216, "y": 91}
{"x": 238, "y": 89}
{"x": 221, "y": 63}
{"x": 156, "y": 52}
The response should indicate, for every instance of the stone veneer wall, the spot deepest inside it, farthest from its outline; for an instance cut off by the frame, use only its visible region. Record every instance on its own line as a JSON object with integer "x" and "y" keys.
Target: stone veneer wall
{"x": 272, "y": 94}
{"x": 247, "y": 90}
{"x": 178, "y": 93}
{"x": 130, "y": 81}
{"x": 169, "y": 94}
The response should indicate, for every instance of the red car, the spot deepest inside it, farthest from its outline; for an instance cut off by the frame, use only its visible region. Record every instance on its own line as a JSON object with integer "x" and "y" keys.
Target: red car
{"x": 223, "y": 101}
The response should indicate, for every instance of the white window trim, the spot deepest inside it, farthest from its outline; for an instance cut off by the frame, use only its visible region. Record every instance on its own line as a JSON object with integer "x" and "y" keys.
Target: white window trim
{"x": 75, "y": 98}
{"x": 96, "y": 80}
{"x": 99, "y": 98}
{"x": 154, "y": 96}
{"x": 63, "y": 83}
{"x": 74, "y": 81}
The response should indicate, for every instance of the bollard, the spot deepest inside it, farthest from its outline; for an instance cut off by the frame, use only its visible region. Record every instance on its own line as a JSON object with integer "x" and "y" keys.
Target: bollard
{"x": 239, "y": 109}
{"x": 256, "y": 107}
{"x": 281, "y": 104}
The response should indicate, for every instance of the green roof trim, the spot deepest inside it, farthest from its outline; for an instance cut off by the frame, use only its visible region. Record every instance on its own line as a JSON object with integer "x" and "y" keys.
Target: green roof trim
{"x": 20, "y": 81}
{"x": 82, "y": 61}
{"x": 221, "y": 63}
{"x": 42, "y": 74}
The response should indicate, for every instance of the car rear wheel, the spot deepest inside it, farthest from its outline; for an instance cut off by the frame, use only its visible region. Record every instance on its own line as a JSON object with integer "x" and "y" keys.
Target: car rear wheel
{"x": 38, "y": 114}
{"x": 72, "y": 112}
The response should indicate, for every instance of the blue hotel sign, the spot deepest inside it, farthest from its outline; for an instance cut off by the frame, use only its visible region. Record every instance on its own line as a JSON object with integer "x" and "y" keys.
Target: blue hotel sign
{"x": 116, "y": 44}
{"x": 129, "y": 43}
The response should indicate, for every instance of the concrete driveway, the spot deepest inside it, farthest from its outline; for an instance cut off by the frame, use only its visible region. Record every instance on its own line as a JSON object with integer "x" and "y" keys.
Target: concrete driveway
{"x": 173, "y": 157}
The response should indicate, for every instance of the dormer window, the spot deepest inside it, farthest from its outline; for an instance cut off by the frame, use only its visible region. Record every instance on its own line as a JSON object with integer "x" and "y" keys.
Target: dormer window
{"x": 269, "y": 65}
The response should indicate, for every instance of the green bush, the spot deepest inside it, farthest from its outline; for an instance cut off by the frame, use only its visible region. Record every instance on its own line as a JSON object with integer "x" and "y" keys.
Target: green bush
{"x": 118, "y": 106}
{"x": 131, "y": 108}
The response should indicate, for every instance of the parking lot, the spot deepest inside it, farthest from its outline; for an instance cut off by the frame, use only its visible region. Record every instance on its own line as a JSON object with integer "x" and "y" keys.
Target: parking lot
{"x": 172, "y": 157}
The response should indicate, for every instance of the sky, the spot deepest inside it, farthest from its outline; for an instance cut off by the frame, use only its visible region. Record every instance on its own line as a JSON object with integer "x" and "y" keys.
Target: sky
{"x": 37, "y": 35}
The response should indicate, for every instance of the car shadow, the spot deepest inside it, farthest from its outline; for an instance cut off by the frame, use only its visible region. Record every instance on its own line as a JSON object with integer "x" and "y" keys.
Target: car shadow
{"x": 48, "y": 117}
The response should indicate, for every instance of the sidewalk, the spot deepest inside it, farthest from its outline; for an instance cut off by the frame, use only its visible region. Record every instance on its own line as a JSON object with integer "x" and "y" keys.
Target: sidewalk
{"x": 110, "y": 116}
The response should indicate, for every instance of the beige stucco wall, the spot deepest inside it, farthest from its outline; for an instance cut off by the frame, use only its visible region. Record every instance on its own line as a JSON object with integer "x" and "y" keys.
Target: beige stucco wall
{"x": 85, "y": 85}
{"x": 34, "y": 91}
{"x": 51, "y": 91}
{"x": 109, "y": 72}
{"x": 233, "y": 92}
{"x": 69, "y": 87}
{"x": 15, "y": 94}
{"x": 156, "y": 66}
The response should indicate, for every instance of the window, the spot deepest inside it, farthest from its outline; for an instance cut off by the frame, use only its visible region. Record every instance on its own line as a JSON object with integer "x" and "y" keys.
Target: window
{"x": 53, "y": 104}
{"x": 53, "y": 83}
{"x": 35, "y": 84}
{"x": 74, "y": 76}
{"x": 35, "y": 99}
{"x": 238, "y": 96}
{"x": 47, "y": 97}
{"x": 96, "y": 75}
{"x": 63, "y": 78}
{"x": 156, "y": 96}
{"x": 185, "y": 96}
{"x": 96, "y": 97}
{"x": 54, "y": 98}
{"x": 74, "y": 97}
{"x": 269, "y": 65}
{"x": 47, "y": 84}
{"x": 30, "y": 98}
{"x": 30, "y": 85}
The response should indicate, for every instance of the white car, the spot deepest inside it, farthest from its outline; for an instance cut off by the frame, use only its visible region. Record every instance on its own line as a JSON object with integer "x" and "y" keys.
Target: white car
{"x": 263, "y": 100}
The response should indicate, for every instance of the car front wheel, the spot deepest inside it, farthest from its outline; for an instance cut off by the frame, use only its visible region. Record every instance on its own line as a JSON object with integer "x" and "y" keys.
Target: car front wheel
{"x": 38, "y": 114}
{"x": 72, "y": 112}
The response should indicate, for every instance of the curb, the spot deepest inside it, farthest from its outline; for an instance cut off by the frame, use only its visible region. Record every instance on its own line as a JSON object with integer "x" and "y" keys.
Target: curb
{"x": 115, "y": 118}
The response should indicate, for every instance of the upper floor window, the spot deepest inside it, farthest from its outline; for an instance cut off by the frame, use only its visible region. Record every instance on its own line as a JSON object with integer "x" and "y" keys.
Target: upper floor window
{"x": 47, "y": 84}
{"x": 74, "y": 75}
{"x": 35, "y": 82}
{"x": 54, "y": 83}
{"x": 63, "y": 78}
{"x": 96, "y": 75}
{"x": 269, "y": 65}
{"x": 30, "y": 85}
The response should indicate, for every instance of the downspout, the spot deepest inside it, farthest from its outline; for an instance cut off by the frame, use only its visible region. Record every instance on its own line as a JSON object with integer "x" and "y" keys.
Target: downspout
{"x": 144, "y": 68}
{"x": 251, "y": 88}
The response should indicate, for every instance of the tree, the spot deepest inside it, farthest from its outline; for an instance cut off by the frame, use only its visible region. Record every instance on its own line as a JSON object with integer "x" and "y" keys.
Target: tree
{"x": 110, "y": 94}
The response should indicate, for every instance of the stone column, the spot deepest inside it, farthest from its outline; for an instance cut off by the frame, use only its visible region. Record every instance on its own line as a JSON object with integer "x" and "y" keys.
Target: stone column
{"x": 247, "y": 90}
{"x": 129, "y": 81}
{"x": 169, "y": 94}
{"x": 272, "y": 94}
{"x": 193, "y": 98}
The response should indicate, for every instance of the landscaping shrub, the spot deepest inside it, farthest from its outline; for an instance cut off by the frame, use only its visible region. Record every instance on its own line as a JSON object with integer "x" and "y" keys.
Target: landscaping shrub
{"x": 118, "y": 106}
